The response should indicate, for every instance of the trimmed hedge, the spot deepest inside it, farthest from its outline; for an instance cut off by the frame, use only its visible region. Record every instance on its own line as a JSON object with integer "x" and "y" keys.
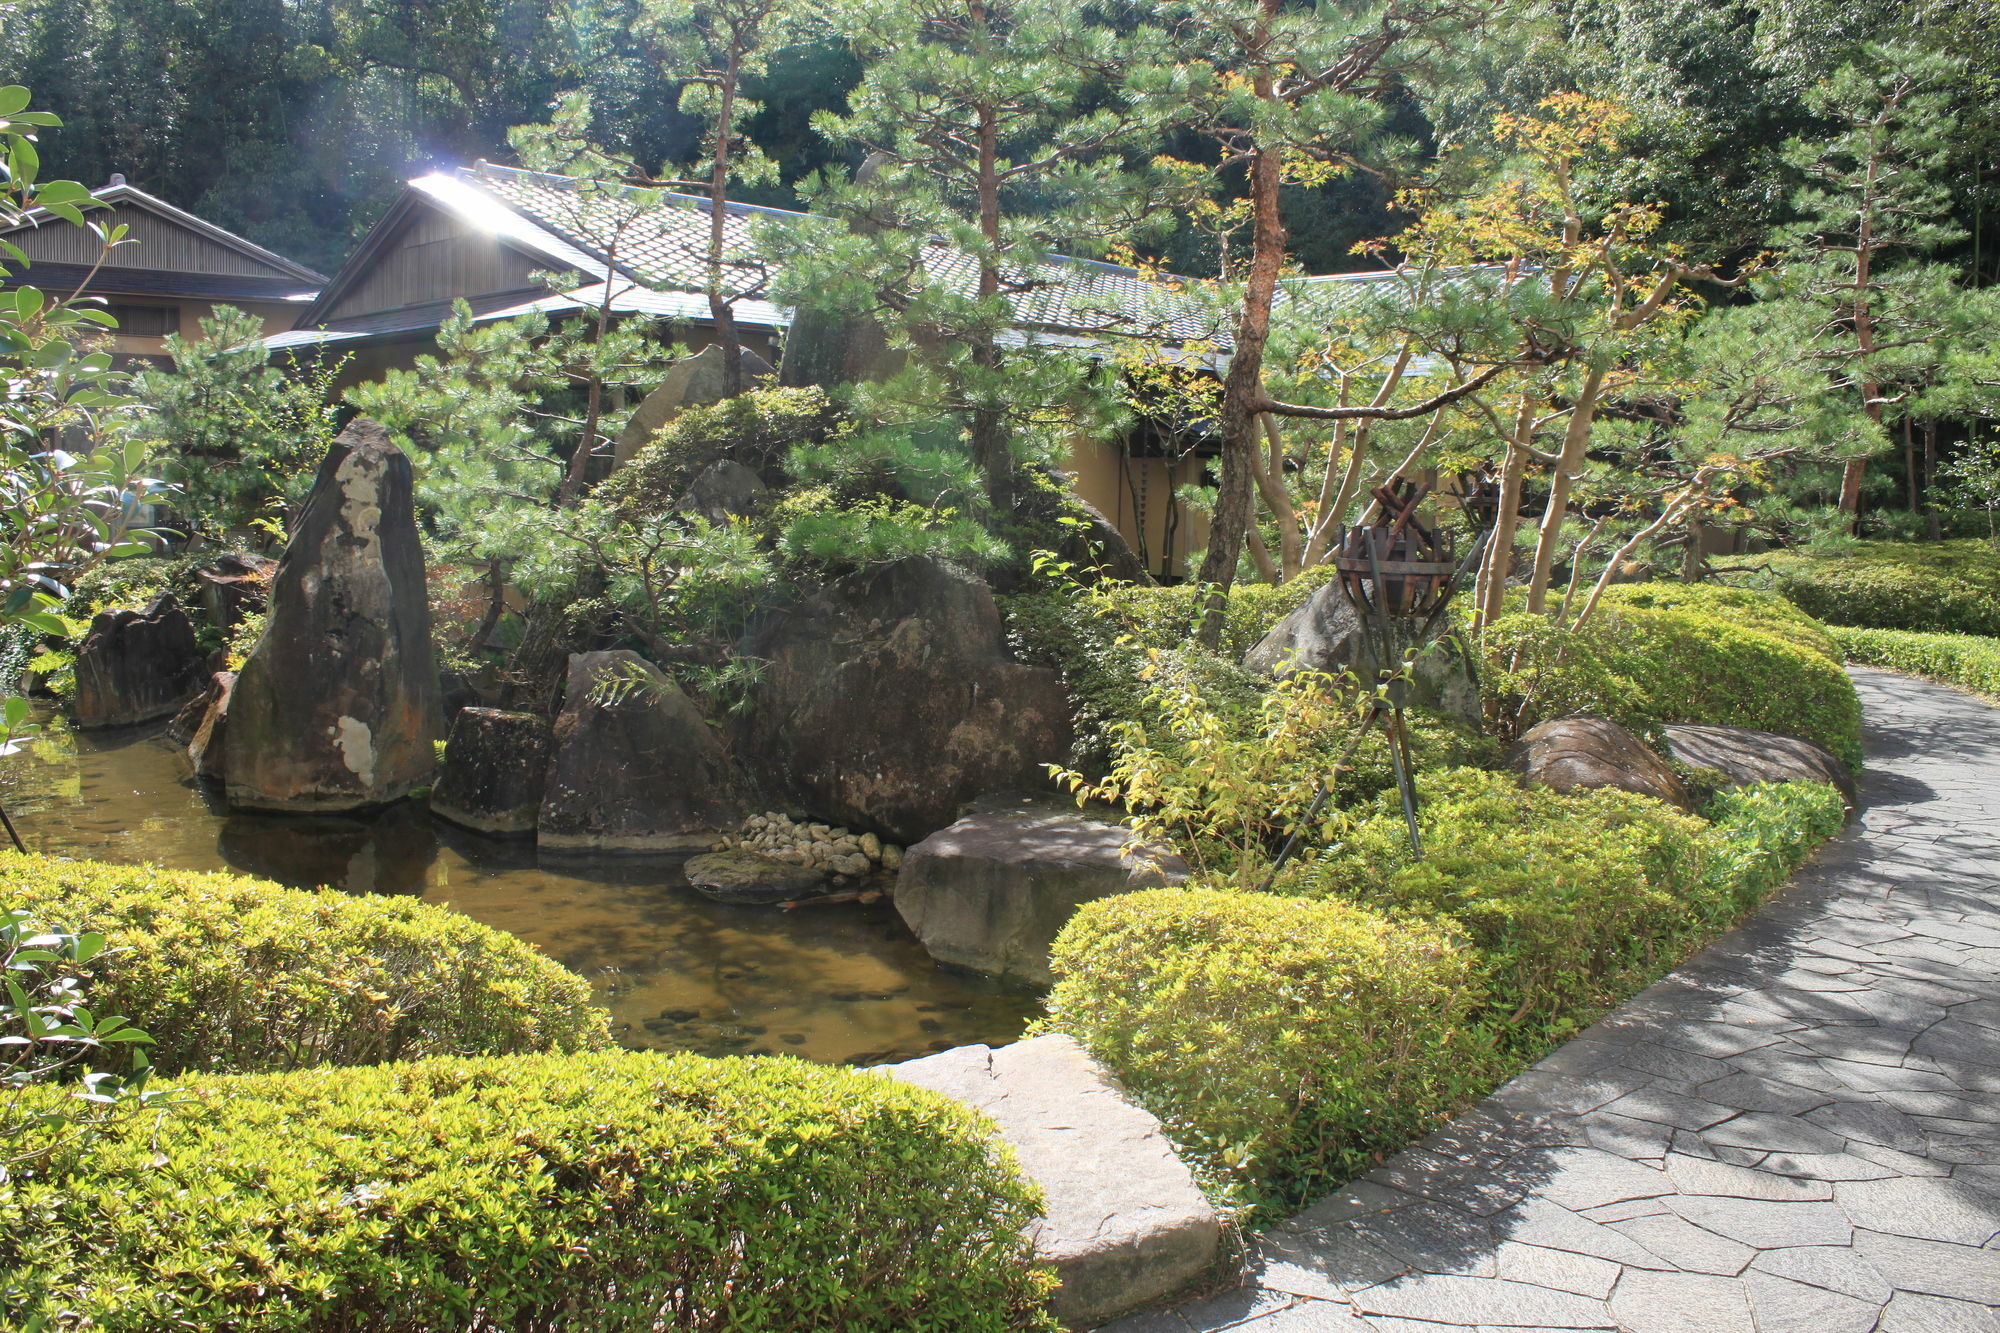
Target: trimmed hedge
{"x": 1742, "y": 606}
{"x": 1643, "y": 667}
{"x": 1969, "y": 661}
{"x": 1274, "y": 1036}
{"x": 757, "y": 429}
{"x": 1945, "y": 587}
{"x": 1573, "y": 898}
{"x": 602, "y": 1192}
{"x": 241, "y": 975}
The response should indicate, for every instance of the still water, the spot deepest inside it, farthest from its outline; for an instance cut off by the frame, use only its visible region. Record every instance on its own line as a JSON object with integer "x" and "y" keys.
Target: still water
{"x": 843, "y": 984}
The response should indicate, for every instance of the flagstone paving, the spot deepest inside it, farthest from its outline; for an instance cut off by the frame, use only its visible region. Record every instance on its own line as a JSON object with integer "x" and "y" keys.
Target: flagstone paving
{"x": 1796, "y": 1132}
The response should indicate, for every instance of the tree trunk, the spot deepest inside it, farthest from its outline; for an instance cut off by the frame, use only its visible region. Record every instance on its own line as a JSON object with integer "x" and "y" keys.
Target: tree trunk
{"x": 1243, "y": 385}
{"x": 1499, "y": 562}
{"x": 991, "y": 449}
{"x": 720, "y": 309}
{"x": 1271, "y": 485}
{"x": 1576, "y": 444}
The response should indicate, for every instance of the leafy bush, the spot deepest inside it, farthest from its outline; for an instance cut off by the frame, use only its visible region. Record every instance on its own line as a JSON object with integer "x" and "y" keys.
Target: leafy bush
{"x": 1574, "y": 898}
{"x": 1644, "y": 667}
{"x": 239, "y": 975}
{"x": 1946, "y": 587}
{"x": 603, "y": 1192}
{"x": 757, "y": 429}
{"x": 1969, "y": 661}
{"x": 1750, "y": 607}
{"x": 1560, "y": 891}
{"x": 1274, "y": 1036}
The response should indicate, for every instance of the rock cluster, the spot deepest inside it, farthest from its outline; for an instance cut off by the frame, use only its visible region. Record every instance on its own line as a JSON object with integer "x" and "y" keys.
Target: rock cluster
{"x": 1571, "y": 753}
{"x": 135, "y": 666}
{"x": 798, "y": 842}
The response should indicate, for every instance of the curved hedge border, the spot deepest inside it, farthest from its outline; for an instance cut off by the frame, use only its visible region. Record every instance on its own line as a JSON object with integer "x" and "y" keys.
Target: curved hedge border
{"x": 1642, "y": 667}
{"x": 603, "y": 1192}
{"x": 1948, "y": 587}
{"x": 1969, "y": 661}
{"x": 241, "y": 975}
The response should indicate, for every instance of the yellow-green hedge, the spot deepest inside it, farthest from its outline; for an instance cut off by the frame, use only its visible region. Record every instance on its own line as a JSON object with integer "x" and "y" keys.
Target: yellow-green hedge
{"x": 1274, "y": 1036}
{"x": 1642, "y": 667}
{"x": 239, "y": 975}
{"x": 1969, "y": 661}
{"x": 601, "y": 1192}
{"x": 1944, "y": 587}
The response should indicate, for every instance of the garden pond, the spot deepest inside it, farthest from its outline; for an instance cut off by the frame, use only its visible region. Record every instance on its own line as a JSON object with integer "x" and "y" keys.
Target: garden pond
{"x": 840, "y": 984}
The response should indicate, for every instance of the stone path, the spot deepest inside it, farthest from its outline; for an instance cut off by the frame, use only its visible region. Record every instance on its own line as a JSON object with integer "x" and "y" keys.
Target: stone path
{"x": 1798, "y": 1132}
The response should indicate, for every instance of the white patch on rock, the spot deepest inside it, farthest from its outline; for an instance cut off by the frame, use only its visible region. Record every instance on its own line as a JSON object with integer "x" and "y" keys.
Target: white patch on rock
{"x": 357, "y": 747}
{"x": 361, "y": 496}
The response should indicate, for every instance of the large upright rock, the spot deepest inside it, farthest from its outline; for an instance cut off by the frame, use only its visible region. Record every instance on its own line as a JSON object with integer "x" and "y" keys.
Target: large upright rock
{"x": 494, "y": 767}
{"x": 1327, "y": 634}
{"x": 636, "y": 767}
{"x": 1124, "y": 1225}
{"x": 136, "y": 666}
{"x": 337, "y": 706}
{"x": 888, "y": 700}
{"x": 1571, "y": 753}
{"x": 992, "y": 891}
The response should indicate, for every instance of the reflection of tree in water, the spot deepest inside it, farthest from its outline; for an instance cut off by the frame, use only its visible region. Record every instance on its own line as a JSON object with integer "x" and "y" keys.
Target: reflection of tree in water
{"x": 839, "y": 983}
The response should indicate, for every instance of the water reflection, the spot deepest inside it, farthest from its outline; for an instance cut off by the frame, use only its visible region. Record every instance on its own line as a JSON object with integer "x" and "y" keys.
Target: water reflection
{"x": 844, "y": 984}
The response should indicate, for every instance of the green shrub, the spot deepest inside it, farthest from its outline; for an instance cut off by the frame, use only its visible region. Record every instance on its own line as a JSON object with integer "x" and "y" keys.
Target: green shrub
{"x": 603, "y": 1192}
{"x": 1969, "y": 661}
{"x": 756, "y": 429}
{"x": 239, "y": 975}
{"x": 1562, "y": 892}
{"x": 1644, "y": 667}
{"x": 1945, "y": 587}
{"x": 1575, "y": 899}
{"x": 1275, "y": 1037}
{"x": 1749, "y": 607}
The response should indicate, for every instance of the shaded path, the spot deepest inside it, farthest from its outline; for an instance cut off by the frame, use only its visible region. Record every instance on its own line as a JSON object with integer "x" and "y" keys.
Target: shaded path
{"x": 1797, "y": 1132}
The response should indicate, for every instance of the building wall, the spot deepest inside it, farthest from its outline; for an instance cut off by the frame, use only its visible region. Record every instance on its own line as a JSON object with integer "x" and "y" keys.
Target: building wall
{"x": 437, "y": 257}
{"x": 152, "y": 242}
{"x": 1137, "y": 495}
{"x": 183, "y": 315}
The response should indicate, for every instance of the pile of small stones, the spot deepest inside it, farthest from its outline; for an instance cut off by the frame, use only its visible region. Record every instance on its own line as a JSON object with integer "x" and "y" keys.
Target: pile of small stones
{"x": 820, "y": 846}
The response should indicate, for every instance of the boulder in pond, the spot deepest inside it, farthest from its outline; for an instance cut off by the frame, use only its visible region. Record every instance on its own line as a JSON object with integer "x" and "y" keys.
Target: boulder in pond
{"x": 137, "y": 666}
{"x": 889, "y": 699}
{"x": 234, "y": 585}
{"x": 337, "y": 706}
{"x": 1744, "y": 756}
{"x": 635, "y": 766}
{"x": 494, "y": 765}
{"x": 207, "y": 749}
{"x": 742, "y": 877}
{"x": 991, "y": 892}
{"x": 1570, "y": 753}
{"x": 1124, "y": 1223}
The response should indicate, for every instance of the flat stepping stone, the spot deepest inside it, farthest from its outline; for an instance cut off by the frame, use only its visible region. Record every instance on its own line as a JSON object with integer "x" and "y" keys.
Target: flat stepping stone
{"x": 1126, "y": 1225}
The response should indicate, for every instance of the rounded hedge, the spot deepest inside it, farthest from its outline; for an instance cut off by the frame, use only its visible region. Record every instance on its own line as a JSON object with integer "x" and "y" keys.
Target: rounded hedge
{"x": 601, "y": 1192}
{"x": 241, "y": 975}
{"x": 1642, "y": 667}
{"x": 1274, "y": 1036}
{"x": 1748, "y": 607}
{"x": 1945, "y": 587}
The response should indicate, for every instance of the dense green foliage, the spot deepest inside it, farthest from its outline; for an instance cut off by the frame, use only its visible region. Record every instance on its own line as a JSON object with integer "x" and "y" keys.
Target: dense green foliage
{"x": 1969, "y": 661}
{"x": 1273, "y": 1035}
{"x": 1573, "y": 898}
{"x": 604, "y": 1192}
{"x": 239, "y": 975}
{"x": 1642, "y": 667}
{"x": 1948, "y": 587}
{"x": 757, "y": 429}
{"x": 1741, "y": 606}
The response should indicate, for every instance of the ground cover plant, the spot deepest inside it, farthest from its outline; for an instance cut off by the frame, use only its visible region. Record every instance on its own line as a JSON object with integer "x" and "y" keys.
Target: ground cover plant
{"x": 613, "y": 1191}
{"x": 1943, "y": 587}
{"x": 236, "y": 975}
